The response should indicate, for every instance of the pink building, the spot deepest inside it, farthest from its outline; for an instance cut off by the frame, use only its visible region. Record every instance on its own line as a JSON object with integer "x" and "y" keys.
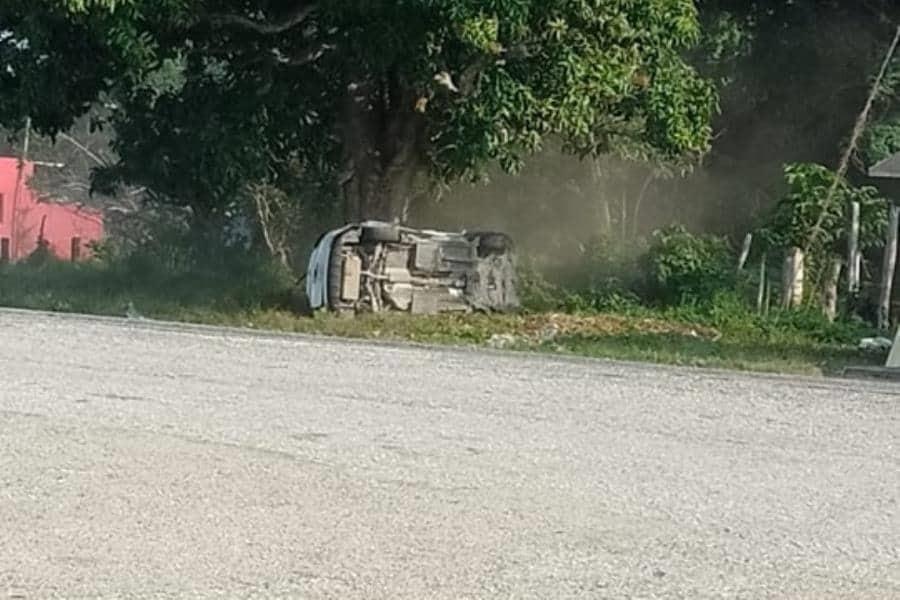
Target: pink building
{"x": 25, "y": 219}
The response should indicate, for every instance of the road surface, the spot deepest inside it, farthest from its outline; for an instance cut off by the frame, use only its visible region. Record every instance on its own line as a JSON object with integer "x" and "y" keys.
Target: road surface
{"x": 147, "y": 461}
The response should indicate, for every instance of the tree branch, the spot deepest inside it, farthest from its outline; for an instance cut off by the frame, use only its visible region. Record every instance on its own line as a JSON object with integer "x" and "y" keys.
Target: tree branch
{"x": 300, "y": 14}
{"x": 307, "y": 56}
{"x": 90, "y": 154}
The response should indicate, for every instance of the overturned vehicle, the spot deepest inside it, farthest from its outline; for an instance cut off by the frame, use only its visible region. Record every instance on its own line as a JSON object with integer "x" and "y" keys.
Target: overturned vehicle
{"x": 382, "y": 267}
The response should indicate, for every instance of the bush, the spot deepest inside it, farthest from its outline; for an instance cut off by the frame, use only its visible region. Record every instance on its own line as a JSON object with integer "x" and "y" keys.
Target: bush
{"x": 676, "y": 268}
{"x": 683, "y": 268}
{"x": 536, "y": 292}
{"x": 602, "y": 300}
{"x": 163, "y": 277}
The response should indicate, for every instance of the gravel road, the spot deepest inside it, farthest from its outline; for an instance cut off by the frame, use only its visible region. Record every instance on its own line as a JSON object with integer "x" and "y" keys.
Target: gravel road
{"x": 140, "y": 460}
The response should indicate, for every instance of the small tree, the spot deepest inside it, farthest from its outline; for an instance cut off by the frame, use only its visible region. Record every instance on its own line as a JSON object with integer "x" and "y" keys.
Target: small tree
{"x": 800, "y": 209}
{"x": 683, "y": 267}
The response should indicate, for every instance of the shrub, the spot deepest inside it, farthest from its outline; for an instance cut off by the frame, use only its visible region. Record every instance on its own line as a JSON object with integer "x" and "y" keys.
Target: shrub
{"x": 682, "y": 267}
{"x": 536, "y": 292}
{"x": 165, "y": 276}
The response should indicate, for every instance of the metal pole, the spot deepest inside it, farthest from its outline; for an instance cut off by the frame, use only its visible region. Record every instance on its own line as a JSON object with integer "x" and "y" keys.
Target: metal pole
{"x": 14, "y": 224}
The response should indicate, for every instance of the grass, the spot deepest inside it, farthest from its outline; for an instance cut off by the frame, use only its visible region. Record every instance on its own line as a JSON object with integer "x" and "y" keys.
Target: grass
{"x": 248, "y": 293}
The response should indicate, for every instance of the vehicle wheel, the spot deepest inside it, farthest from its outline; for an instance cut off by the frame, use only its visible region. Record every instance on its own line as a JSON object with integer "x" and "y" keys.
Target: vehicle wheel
{"x": 384, "y": 234}
{"x": 492, "y": 243}
{"x": 335, "y": 275}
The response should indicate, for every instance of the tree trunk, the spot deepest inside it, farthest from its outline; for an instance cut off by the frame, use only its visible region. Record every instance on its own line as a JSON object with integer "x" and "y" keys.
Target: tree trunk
{"x": 635, "y": 217}
{"x": 382, "y": 138}
{"x": 830, "y": 290}
{"x": 607, "y": 218}
{"x": 889, "y": 266}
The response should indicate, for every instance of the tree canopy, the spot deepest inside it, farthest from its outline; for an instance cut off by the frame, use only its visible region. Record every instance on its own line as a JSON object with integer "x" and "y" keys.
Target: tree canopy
{"x": 377, "y": 103}
{"x": 383, "y": 98}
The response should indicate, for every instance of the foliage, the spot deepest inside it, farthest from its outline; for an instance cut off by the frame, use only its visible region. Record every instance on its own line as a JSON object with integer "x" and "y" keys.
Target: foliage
{"x": 536, "y": 292}
{"x": 882, "y": 136}
{"x": 203, "y": 144}
{"x": 335, "y": 84}
{"x": 608, "y": 263}
{"x": 792, "y": 78}
{"x": 806, "y": 200}
{"x": 57, "y": 58}
{"x": 41, "y": 255}
{"x": 673, "y": 268}
{"x": 881, "y": 139}
{"x": 68, "y": 159}
{"x": 684, "y": 267}
{"x": 805, "y": 206}
{"x": 176, "y": 273}
{"x": 797, "y": 342}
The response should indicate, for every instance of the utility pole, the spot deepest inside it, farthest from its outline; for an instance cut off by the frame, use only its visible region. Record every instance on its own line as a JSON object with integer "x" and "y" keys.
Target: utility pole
{"x": 14, "y": 224}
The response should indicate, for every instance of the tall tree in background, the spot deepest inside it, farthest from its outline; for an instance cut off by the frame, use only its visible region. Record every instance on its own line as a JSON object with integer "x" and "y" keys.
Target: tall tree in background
{"x": 792, "y": 76}
{"x": 379, "y": 96}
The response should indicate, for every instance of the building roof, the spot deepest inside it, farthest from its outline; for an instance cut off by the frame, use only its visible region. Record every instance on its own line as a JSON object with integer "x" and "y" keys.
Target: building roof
{"x": 888, "y": 168}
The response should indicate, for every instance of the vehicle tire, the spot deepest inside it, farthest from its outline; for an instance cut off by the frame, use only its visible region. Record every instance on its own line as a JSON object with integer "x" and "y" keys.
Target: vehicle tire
{"x": 335, "y": 275}
{"x": 380, "y": 234}
{"x": 492, "y": 243}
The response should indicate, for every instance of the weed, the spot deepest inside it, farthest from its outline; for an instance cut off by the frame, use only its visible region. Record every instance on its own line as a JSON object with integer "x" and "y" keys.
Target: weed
{"x": 234, "y": 288}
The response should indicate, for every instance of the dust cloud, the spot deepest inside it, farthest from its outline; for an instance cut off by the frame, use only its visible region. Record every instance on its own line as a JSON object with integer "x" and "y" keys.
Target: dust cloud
{"x": 559, "y": 203}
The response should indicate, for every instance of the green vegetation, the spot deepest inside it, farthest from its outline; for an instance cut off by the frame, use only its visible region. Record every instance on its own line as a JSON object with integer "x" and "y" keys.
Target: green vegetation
{"x": 631, "y": 145}
{"x": 212, "y": 97}
{"x": 232, "y": 288}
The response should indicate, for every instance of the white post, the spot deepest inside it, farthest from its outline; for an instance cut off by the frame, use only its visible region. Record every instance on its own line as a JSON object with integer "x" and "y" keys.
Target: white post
{"x": 889, "y": 265}
{"x": 853, "y": 255}
{"x": 798, "y": 264}
{"x": 787, "y": 280}
{"x": 793, "y": 278}
{"x": 745, "y": 251}
{"x": 830, "y": 292}
{"x": 761, "y": 291}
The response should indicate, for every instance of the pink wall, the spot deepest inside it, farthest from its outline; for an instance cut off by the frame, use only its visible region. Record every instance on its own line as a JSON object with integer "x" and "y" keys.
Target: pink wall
{"x": 61, "y": 222}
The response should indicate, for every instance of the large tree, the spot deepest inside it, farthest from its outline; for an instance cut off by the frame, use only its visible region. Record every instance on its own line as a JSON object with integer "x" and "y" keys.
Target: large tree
{"x": 380, "y": 93}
